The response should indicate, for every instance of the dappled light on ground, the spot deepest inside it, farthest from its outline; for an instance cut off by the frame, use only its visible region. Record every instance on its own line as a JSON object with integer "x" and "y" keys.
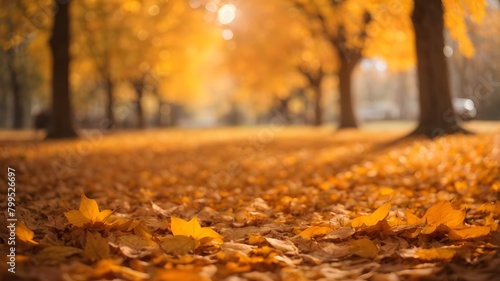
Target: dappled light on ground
{"x": 260, "y": 204}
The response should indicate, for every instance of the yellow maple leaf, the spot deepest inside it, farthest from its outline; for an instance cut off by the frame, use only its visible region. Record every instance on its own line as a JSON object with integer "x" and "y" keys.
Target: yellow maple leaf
{"x": 193, "y": 229}
{"x": 312, "y": 231}
{"x": 87, "y": 213}
{"x": 23, "y": 233}
{"x": 370, "y": 220}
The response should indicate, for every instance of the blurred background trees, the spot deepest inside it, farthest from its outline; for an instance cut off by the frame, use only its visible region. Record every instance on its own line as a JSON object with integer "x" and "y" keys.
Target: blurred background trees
{"x": 149, "y": 63}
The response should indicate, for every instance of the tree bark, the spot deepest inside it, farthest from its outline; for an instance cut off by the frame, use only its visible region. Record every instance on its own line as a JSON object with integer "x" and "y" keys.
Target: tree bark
{"x": 109, "y": 102}
{"x": 315, "y": 78}
{"x": 347, "y": 64}
{"x": 17, "y": 95}
{"x": 318, "y": 105}
{"x": 62, "y": 114}
{"x": 437, "y": 116}
{"x": 139, "y": 91}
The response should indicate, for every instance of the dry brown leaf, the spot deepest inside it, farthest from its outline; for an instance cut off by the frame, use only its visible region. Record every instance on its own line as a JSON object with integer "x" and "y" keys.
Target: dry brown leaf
{"x": 54, "y": 255}
{"x": 178, "y": 244}
{"x": 286, "y": 246}
{"x": 96, "y": 247}
{"x": 341, "y": 233}
{"x": 364, "y": 248}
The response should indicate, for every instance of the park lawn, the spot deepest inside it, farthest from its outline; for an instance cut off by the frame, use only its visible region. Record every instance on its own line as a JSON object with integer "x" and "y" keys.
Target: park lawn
{"x": 266, "y": 203}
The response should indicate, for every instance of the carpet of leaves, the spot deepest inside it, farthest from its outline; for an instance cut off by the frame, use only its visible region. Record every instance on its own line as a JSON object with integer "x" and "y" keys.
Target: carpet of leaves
{"x": 255, "y": 204}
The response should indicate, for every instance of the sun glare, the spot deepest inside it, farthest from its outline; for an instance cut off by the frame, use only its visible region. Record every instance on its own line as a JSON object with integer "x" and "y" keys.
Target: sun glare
{"x": 226, "y": 14}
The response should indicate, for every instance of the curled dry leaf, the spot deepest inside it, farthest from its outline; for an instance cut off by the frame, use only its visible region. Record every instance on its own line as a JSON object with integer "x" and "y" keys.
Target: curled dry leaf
{"x": 286, "y": 246}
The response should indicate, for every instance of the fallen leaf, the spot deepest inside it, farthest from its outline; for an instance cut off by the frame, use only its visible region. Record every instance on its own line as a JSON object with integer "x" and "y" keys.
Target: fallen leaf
{"x": 435, "y": 254}
{"x": 372, "y": 219}
{"x": 469, "y": 233}
{"x": 87, "y": 213}
{"x": 96, "y": 247}
{"x": 341, "y": 233}
{"x": 192, "y": 229}
{"x": 134, "y": 246}
{"x": 240, "y": 247}
{"x": 178, "y": 244}
{"x": 442, "y": 213}
{"x": 412, "y": 219}
{"x": 286, "y": 246}
{"x": 312, "y": 231}
{"x": 364, "y": 248}
{"x": 23, "y": 233}
{"x": 54, "y": 255}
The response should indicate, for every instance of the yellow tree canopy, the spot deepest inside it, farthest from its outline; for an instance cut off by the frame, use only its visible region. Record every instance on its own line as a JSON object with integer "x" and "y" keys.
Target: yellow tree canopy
{"x": 391, "y": 36}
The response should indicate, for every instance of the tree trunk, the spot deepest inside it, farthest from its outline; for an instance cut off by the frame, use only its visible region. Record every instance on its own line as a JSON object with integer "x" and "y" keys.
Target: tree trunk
{"x": 109, "y": 102}
{"x": 62, "y": 114}
{"x": 139, "y": 90}
{"x": 318, "y": 105}
{"x": 347, "y": 118}
{"x": 437, "y": 116}
{"x": 17, "y": 97}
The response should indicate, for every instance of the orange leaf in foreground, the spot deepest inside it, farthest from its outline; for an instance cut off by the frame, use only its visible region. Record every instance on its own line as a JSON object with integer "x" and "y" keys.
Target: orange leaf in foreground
{"x": 469, "y": 233}
{"x": 370, "y": 220}
{"x": 193, "y": 229}
{"x": 442, "y": 213}
{"x": 87, "y": 213}
{"x": 23, "y": 233}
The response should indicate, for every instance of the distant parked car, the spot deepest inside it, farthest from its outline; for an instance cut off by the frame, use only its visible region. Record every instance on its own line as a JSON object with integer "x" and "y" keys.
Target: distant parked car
{"x": 464, "y": 108}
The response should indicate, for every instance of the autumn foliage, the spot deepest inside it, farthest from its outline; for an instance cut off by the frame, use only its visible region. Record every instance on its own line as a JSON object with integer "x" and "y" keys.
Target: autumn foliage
{"x": 299, "y": 205}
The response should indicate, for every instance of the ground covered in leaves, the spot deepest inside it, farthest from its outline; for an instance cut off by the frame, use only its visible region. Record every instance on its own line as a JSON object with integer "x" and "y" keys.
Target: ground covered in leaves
{"x": 254, "y": 204}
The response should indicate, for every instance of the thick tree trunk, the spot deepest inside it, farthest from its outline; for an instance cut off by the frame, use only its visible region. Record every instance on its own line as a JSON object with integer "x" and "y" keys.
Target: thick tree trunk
{"x": 347, "y": 118}
{"x": 436, "y": 111}
{"x": 17, "y": 97}
{"x": 109, "y": 102}
{"x": 62, "y": 114}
